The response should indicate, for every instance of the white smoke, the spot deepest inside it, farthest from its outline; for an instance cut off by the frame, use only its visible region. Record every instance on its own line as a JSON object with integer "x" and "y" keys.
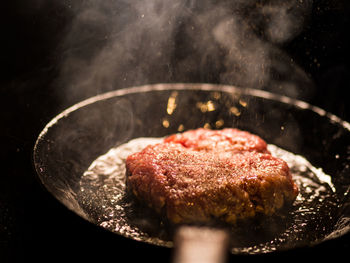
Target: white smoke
{"x": 117, "y": 43}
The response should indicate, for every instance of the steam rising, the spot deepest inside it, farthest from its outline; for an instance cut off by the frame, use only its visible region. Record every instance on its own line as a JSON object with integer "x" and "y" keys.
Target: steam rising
{"x": 120, "y": 43}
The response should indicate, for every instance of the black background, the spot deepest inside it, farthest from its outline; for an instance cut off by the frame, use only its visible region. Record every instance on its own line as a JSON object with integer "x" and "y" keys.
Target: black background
{"x": 33, "y": 225}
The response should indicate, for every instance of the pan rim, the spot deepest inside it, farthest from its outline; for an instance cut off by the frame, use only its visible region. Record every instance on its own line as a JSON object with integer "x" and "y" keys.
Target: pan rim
{"x": 180, "y": 86}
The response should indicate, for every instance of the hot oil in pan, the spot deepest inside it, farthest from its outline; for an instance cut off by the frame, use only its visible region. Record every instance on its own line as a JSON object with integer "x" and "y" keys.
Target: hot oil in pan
{"x": 310, "y": 219}
{"x": 103, "y": 197}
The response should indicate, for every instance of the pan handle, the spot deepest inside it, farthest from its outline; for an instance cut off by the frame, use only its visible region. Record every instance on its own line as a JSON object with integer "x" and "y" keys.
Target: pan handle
{"x": 200, "y": 245}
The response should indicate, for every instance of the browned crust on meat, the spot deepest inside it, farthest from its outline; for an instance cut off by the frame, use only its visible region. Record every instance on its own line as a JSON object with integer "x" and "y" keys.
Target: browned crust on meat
{"x": 194, "y": 185}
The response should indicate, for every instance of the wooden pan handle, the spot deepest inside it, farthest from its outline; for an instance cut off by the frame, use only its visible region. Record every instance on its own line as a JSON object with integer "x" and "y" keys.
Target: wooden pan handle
{"x": 200, "y": 245}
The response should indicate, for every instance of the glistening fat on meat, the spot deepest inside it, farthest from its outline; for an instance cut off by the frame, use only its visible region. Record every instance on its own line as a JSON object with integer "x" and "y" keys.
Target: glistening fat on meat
{"x": 204, "y": 175}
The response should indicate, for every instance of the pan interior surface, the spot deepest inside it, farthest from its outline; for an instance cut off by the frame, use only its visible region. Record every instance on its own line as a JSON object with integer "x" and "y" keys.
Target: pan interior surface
{"x": 313, "y": 142}
{"x": 103, "y": 193}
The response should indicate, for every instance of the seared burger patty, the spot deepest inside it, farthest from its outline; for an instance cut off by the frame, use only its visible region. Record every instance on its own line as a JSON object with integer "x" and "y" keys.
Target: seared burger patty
{"x": 190, "y": 183}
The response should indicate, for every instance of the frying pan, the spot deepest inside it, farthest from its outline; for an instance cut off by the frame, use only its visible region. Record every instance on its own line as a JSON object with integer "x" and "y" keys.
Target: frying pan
{"x": 75, "y": 138}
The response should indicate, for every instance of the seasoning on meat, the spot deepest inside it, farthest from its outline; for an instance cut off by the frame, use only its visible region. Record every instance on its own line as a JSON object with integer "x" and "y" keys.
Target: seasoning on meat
{"x": 204, "y": 175}
{"x": 230, "y": 140}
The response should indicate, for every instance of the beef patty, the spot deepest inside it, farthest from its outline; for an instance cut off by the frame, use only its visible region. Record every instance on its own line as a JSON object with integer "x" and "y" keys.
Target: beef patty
{"x": 204, "y": 175}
